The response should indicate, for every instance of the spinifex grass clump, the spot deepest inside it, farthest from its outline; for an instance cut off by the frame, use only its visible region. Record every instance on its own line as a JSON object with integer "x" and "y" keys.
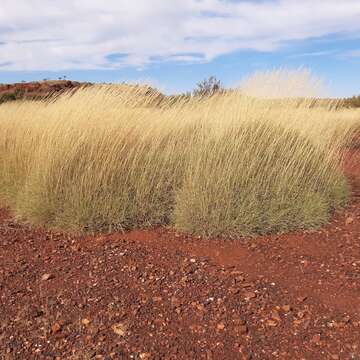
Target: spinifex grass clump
{"x": 292, "y": 184}
{"x": 110, "y": 158}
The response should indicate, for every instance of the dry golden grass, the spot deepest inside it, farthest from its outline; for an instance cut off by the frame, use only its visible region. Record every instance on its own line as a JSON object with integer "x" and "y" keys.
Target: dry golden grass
{"x": 105, "y": 158}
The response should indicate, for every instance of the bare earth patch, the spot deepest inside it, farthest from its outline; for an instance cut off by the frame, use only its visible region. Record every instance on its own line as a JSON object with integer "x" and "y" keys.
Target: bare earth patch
{"x": 160, "y": 295}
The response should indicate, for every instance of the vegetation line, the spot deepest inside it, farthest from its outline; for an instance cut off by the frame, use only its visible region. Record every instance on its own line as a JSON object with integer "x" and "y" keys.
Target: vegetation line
{"x": 112, "y": 158}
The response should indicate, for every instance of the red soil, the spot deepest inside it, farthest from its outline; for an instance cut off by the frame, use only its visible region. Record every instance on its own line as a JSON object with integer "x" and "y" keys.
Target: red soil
{"x": 160, "y": 295}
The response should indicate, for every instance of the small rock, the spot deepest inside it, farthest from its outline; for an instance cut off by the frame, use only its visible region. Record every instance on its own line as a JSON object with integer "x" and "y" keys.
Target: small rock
{"x": 306, "y": 323}
{"x": 85, "y": 322}
{"x": 275, "y": 315}
{"x": 145, "y": 356}
{"x": 35, "y": 312}
{"x": 239, "y": 322}
{"x": 175, "y": 301}
{"x": 220, "y": 326}
{"x": 300, "y": 314}
{"x": 56, "y": 328}
{"x": 200, "y": 307}
{"x": 305, "y": 263}
{"x": 316, "y": 339}
{"x": 119, "y": 329}
{"x": 286, "y": 308}
{"x": 349, "y": 220}
{"x": 271, "y": 323}
{"x": 249, "y": 295}
{"x": 234, "y": 290}
{"x": 46, "y": 277}
{"x": 242, "y": 329}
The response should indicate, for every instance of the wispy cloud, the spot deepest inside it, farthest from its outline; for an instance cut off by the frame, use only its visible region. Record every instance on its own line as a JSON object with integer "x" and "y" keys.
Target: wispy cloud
{"x": 82, "y": 34}
{"x": 5, "y": 64}
{"x": 352, "y": 54}
{"x": 314, "y": 54}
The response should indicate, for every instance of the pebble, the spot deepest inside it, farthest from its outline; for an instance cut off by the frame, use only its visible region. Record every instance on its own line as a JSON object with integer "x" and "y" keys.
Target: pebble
{"x": 119, "y": 329}
{"x": 85, "y": 322}
{"x": 271, "y": 323}
{"x": 242, "y": 329}
{"x": 56, "y": 328}
{"x": 275, "y": 315}
{"x": 316, "y": 339}
{"x": 286, "y": 308}
{"x": 46, "y": 277}
{"x": 249, "y": 295}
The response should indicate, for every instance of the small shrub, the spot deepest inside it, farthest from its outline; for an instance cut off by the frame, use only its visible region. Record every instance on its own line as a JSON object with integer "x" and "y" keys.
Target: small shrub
{"x": 208, "y": 87}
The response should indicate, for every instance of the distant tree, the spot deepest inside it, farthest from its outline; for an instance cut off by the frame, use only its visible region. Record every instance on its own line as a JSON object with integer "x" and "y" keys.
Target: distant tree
{"x": 208, "y": 87}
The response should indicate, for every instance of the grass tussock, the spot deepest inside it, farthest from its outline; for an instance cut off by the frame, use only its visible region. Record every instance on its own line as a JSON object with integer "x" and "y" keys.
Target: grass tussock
{"x": 108, "y": 158}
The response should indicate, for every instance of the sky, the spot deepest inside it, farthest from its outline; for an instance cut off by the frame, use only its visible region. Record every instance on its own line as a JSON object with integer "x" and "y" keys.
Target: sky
{"x": 174, "y": 44}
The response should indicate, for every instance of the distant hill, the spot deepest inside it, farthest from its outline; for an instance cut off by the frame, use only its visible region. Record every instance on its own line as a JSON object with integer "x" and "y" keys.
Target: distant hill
{"x": 36, "y": 90}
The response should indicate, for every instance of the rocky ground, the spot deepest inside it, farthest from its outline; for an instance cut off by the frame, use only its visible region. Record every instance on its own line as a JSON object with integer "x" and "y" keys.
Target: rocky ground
{"x": 160, "y": 295}
{"x": 36, "y": 89}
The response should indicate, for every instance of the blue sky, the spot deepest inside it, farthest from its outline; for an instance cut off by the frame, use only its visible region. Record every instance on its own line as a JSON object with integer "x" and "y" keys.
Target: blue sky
{"x": 174, "y": 44}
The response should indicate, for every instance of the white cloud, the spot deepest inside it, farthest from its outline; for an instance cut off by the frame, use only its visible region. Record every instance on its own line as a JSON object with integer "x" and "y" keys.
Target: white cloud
{"x": 81, "y": 34}
{"x": 314, "y": 54}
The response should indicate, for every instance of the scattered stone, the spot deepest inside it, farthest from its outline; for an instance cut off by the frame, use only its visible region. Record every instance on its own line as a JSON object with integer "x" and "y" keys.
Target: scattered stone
{"x": 249, "y": 295}
{"x": 316, "y": 339}
{"x": 242, "y": 329}
{"x": 200, "y": 307}
{"x": 271, "y": 323}
{"x": 286, "y": 308}
{"x": 46, "y": 277}
{"x": 275, "y": 315}
{"x": 305, "y": 263}
{"x": 85, "y": 322}
{"x": 57, "y": 327}
{"x": 143, "y": 312}
{"x": 145, "y": 356}
{"x": 119, "y": 329}
{"x": 175, "y": 301}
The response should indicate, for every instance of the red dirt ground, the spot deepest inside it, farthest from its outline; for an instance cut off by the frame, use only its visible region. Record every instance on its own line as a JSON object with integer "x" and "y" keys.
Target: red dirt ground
{"x": 160, "y": 295}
